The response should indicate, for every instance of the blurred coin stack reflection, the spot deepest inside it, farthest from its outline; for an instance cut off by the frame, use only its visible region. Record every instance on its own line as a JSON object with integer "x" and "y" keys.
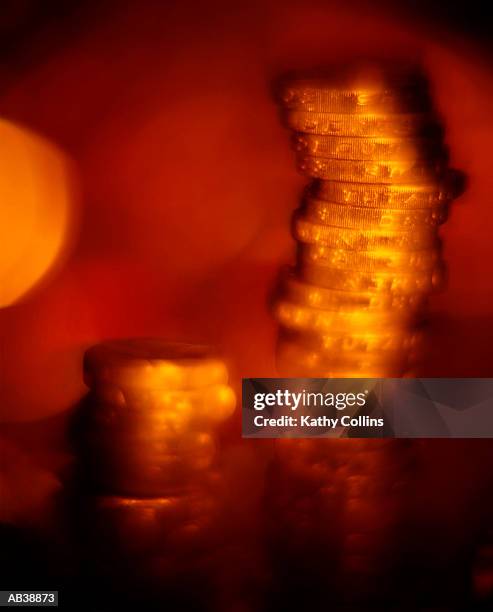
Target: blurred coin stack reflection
{"x": 337, "y": 517}
{"x": 369, "y": 253}
{"x": 149, "y": 456}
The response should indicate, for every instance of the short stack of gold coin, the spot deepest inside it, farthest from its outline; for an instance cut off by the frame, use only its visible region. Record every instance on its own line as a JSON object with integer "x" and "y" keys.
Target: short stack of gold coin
{"x": 149, "y": 451}
{"x": 369, "y": 253}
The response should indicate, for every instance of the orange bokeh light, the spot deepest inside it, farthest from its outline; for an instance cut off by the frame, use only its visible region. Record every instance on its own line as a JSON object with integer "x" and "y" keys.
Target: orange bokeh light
{"x": 36, "y": 212}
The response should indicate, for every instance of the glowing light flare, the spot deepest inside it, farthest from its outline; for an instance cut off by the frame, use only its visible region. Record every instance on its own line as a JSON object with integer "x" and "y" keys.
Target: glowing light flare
{"x": 37, "y": 210}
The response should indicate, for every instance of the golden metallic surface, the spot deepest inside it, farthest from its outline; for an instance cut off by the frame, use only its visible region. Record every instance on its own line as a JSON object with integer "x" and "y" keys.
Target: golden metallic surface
{"x": 148, "y": 424}
{"x": 127, "y": 465}
{"x": 298, "y": 369}
{"x": 151, "y": 446}
{"x": 354, "y": 97}
{"x": 345, "y": 215}
{"x": 154, "y": 410}
{"x": 357, "y": 341}
{"x": 295, "y": 364}
{"x": 357, "y": 280}
{"x": 364, "y": 364}
{"x": 364, "y": 125}
{"x": 153, "y": 524}
{"x": 141, "y": 482}
{"x": 360, "y": 239}
{"x": 370, "y": 149}
{"x": 296, "y": 290}
{"x": 378, "y": 260}
{"x": 152, "y": 363}
{"x": 383, "y": 196}
{"x": 165, "y": 511}
{"x": 380, "y": 172}
{"x": 368, "y": 252}
{"x": 298, "y": 317}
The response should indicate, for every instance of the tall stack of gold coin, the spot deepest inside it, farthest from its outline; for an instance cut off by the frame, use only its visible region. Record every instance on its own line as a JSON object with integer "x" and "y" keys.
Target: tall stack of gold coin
{"x": 369, "y": 253}
{"x": 149, "y": 452}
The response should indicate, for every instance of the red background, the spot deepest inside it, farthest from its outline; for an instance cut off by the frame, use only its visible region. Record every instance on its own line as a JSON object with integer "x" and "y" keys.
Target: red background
{"x": 188, "y": 184}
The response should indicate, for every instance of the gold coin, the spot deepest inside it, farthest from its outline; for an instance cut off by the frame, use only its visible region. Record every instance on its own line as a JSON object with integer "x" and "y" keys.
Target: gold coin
{"x": 384, "y": 196}
{"x": 144, "y": 526}
{"x": 361, "y": 239}
{"x": 366, "y": 301}
{"x": 370, "y": 149}
{"x": 148, "y": 481}
{"x": 373, "y": 341}
{"x": 168, "y": 412}
{"x": 289, "y": 352}
{"x": 164, "y": 511}
{"x": 380, "y": 260}
{"x": 148, "y": 363}
{"x": 296, "y": 316}
{"x": 298, "y": 365}
{"x": 145, "y": 468}
{"x": 356, "y": 280}
{"x": 150, "y": 446}
{"x": 290, "y": 369}
{"x": 338, "y": 124}
{"x": 346, "y": 215}
{"x": 323, "y": 94}
{"x": 379, "y": 172}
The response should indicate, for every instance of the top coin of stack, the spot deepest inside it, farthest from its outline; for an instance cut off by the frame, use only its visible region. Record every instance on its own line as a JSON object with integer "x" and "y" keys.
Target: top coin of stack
{"x": 367, "y": 231}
